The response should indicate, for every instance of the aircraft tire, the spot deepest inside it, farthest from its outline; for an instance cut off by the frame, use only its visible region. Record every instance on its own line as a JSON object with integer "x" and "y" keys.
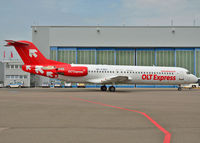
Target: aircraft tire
{"x": 112, "y": 89}
{"x": 103, "y": 88}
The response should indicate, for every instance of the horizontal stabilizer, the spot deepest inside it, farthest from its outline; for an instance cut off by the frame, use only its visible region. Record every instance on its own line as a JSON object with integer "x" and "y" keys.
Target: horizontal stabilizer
{"x": 12, "y": 43}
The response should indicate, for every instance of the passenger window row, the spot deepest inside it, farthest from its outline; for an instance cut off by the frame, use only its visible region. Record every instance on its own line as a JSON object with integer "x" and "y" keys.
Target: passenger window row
{"x": 99, "y": 71}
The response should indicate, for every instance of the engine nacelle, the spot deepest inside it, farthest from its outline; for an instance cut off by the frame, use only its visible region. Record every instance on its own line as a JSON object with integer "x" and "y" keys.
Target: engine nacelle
{"x": 73, "y": 71}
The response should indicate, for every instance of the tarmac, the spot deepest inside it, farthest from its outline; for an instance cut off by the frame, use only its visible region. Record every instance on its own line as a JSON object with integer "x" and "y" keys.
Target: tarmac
{"x": 71, "y": 115}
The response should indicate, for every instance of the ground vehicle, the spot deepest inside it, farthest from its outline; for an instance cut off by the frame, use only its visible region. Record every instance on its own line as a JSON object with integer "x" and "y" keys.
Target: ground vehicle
{"x": 190, "y": 86}
{"x": 1, "y": 85}
{"x": 80, "y": 85}
{"x": 45, "y": 85}
{"x": 68, "y": 85}
{"x": 15, "y": 85}
{"x": 57, "y": 85}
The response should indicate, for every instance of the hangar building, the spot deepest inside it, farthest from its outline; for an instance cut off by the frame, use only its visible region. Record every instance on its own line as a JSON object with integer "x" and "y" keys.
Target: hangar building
{"x": 121, "y": 45}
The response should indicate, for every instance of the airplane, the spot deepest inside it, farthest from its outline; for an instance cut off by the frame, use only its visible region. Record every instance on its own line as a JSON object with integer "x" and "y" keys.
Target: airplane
{"x": 36, "y": 63}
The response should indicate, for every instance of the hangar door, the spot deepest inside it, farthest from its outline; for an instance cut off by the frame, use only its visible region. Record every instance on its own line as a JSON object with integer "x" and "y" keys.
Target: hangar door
{"x": 185, "y": 59}
{"x": 165, "y": 57}
{"x": 145, "y": 57}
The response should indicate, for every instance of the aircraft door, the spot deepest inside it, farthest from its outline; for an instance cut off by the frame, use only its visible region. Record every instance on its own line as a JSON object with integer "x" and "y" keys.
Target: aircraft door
{"x": 181, "y": 76}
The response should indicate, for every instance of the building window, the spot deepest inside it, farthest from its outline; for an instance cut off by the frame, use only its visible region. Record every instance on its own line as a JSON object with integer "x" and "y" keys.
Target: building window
{"x": 8, "y": 76}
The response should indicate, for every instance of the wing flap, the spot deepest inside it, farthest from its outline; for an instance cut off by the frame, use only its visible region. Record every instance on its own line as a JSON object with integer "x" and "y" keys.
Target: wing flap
{"x": 116, "y": 79}
{"x": 110, "y": 80}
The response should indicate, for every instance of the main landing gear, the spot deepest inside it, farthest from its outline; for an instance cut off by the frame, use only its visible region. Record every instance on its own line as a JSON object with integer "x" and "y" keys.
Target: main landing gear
{"x": 103, "y": 88}
{"x": 179, "y": 88}
{"x": 111, "y": 88}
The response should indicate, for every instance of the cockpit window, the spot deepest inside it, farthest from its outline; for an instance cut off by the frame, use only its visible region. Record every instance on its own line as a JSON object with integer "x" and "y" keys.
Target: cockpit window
{"x": 188, "y": 72}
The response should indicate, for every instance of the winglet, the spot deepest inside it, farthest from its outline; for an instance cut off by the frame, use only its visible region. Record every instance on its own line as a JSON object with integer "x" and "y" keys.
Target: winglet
{"x": 12, "y": 43}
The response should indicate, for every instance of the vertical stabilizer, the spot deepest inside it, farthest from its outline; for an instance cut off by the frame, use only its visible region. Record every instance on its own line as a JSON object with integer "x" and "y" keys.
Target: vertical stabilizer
{"x": 29, "y": 53}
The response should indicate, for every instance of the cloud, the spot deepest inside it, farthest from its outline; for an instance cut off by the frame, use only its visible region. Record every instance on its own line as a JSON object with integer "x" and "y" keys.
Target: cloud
{"x": 18, "y": 16}
{"x": 158, "y": 12}
{"x": 154, "y": 4}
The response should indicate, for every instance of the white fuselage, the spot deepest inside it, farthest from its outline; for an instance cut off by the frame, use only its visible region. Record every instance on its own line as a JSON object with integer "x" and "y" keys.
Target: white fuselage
{"x": 100, "y": 74}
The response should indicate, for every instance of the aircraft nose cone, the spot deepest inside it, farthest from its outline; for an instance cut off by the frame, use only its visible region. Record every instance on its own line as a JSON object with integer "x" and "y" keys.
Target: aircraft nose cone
{"x": 194, "y": 79}
{"x": 198, "y": 80}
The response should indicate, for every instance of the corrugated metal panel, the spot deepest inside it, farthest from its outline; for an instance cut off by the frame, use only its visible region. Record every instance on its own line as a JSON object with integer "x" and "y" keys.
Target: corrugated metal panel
{"x": 124, "y": 36}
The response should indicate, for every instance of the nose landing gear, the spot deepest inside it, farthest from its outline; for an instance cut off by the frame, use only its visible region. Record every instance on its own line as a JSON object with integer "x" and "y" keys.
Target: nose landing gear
{"x": 179, "y": 88}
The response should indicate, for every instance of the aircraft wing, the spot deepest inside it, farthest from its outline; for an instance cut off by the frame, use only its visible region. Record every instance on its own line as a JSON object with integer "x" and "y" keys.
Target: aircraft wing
{"x": 110, "y": 80}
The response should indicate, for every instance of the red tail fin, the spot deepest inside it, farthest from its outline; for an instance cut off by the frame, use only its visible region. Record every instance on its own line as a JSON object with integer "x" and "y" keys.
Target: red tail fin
{"x": 30, "y": 53}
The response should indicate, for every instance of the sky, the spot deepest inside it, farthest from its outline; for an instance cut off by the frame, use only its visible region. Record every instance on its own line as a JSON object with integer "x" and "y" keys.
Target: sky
{"x": 17, "y": 16}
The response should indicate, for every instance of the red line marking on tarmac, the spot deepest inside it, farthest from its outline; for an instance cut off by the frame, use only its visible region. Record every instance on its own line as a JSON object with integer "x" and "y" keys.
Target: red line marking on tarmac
{"x": 167, "y": 134}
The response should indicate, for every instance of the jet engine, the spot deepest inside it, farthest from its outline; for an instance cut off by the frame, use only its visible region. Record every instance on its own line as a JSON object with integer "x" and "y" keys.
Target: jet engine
{"x": 73, "y": 71}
